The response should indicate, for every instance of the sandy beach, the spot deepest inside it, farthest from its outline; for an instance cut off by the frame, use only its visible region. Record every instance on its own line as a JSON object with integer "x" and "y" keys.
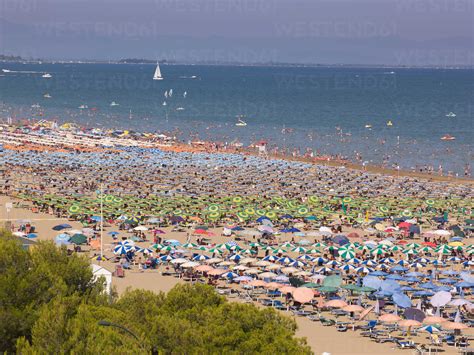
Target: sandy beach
{"x": 320, "y": 338}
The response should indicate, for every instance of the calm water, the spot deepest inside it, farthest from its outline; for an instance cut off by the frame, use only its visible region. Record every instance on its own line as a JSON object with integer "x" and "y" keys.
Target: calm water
{"x": 306, "y": 103}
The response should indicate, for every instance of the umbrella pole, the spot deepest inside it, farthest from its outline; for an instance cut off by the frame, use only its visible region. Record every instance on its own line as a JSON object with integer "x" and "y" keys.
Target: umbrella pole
{"x": 101, "y": 223}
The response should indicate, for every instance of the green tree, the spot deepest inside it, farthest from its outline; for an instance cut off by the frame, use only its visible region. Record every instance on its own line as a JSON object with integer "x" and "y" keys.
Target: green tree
{"x": 31, "y": 278}
{"x": 50, "y": 304}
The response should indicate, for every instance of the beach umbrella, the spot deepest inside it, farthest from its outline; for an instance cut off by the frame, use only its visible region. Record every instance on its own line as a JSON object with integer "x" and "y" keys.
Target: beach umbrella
{"x": 336, "y": 304}
{"x": 78, "y": 239}
{"x": 363, "y": 270}
{"x": 434, "y": 320}
{"x": 165, "y": 258}
{"x": 200, "y": 257}
{"x": 347, "y": 254}
{"x": 459, "y": 302}
{"x": 401, "y": 300}
{"x": 430, "y": 329}
{"x": 60, "y": 227}
{"x": 454, "y": 325}
{"x": 299, "y": 250}
{"x": 303, "y": 295}
{"x": 123, "y": 249}
{"x": 389, "y": 318}
{"x": 353, "y": 308}
{"x": 189, "y": 264}
{"x": 62, "y": 239}
{"x": 189, "y": 245}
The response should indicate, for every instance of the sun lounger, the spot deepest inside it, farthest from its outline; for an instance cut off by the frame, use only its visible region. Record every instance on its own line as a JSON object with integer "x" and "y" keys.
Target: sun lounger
{"x": 406, "y": 344}
{"x": 327, "y": 322}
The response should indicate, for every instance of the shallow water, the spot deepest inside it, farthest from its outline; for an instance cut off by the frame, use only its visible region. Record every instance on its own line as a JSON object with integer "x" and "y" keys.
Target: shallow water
{"x": 305, "y": 103}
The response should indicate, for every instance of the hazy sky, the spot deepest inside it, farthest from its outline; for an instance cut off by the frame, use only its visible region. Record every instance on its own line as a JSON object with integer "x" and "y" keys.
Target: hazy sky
{"x": 415, "y": 32}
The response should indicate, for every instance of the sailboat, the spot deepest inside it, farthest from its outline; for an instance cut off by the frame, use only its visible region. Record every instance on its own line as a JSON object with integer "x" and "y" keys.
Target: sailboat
{"x": 451, "y": 114}
{"x": 46, "y": 76}
{"x": 164, "y": 103}
{"x": 170, "y": 93}
{"x": 47, "y": 96}
{"x": 166, "y": 93}
{"x": 113, "y": 103}
{"x": 184, "y": 94}
{"x": 240, "y": 122}
{"x": 157, "y": 75}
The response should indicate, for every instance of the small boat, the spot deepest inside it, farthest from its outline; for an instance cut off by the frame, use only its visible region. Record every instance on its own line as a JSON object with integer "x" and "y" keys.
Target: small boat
{"x": 157, "y": 75}
{"x": 240, "y": 122}
{"x": 35, "y": 106}
{"x": 47, "y": 96}
{"x": 368, "y": 126}
{"x": 82, "y": 107}
{"x": 451, "y": 114}
{"x": 448, "y": 137}
{"x": 113, "y": 103}
{"x": 389, "y": 123}
{"x": 193, "y": 76}
{"x": 164, "y": 103}
{"x": 179, "y": 108}
{"x": 6, "y": 71}
{"x": 46, "y": 76}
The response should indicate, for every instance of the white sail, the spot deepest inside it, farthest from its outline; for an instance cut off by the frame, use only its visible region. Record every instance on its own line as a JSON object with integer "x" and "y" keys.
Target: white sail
{"x": 157, "y": 75}
{"x": 166, "y": 94}
{"x": 184, "y": 94}
{"x": 170, "y": 93}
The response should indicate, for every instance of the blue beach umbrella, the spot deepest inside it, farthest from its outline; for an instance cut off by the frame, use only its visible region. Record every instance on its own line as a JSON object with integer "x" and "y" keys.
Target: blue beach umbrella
{"x": 401, "y": 300}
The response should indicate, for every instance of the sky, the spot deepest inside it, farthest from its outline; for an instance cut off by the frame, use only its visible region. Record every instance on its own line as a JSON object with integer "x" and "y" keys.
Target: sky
{"x": 393, "y": 32}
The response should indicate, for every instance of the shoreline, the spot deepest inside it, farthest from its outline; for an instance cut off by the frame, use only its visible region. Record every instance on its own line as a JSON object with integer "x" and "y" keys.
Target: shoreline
{"x": 70, "y": 141}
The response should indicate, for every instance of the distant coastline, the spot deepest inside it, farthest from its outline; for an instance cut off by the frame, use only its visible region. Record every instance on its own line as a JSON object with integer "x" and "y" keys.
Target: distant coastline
{"x": 144, "y": 61}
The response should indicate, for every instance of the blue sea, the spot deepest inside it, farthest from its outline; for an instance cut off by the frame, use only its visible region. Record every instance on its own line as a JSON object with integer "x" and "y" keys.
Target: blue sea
{"x": 326, "y": 109}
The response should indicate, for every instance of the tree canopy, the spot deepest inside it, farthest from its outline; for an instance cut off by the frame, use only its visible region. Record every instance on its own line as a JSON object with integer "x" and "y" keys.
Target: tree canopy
{"x": 50, "y": 303}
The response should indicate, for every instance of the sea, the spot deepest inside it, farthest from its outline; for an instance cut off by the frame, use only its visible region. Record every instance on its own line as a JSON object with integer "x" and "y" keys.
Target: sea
{"x": 389, "y": 116}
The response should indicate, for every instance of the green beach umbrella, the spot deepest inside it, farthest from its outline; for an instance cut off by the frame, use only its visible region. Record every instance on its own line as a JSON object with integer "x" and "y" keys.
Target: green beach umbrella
{"x": 271, "y": 214}
{"x": 74, "y": 209}
{"x": 303, "y": 211}
{"x": 213, "y": 208}
{"x": 237, "y": 199}
{"x": 214, "y": 215}
{"x": 347, "y": 254}
{"x": 313, "y": 200}
{"x": 347, "y": 200}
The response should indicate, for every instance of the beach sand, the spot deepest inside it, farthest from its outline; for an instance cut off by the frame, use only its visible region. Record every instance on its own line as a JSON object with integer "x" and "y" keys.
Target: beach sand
{"x": 320, "y": 338}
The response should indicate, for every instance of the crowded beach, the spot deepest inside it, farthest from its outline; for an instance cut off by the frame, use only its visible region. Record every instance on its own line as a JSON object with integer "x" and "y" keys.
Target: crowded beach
{"x": 384, "y": 260}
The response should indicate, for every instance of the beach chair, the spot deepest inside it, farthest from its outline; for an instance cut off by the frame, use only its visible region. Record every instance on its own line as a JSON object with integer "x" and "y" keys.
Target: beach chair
{"x": 119, "y": 272}
{"x": 435, "y": 340}
{"x": 370, "y": 325}
{"x": 279, "y": 305}
{"x": 406, "y": 344}
{"x": 327, "y": 322}
{"x": 341, "y": 327}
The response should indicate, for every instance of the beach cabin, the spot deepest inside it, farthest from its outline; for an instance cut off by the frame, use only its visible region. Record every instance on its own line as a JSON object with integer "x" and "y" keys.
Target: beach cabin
{"x": 99, "y": 271}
